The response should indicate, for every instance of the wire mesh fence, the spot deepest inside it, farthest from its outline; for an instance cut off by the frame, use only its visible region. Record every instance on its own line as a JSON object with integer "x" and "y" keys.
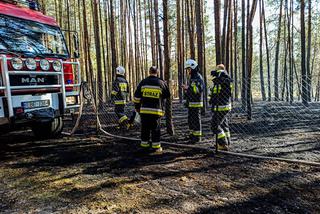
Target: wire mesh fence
{"x": 277, "y": 128}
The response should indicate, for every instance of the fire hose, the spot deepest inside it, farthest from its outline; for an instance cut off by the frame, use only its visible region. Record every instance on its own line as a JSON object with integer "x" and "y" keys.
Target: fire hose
{"x": 87, "y": 94}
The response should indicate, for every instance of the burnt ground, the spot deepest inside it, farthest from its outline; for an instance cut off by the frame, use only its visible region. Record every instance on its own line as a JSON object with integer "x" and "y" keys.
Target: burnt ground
{"x": 100, "y": 175}
{"x": 277, "y": 129}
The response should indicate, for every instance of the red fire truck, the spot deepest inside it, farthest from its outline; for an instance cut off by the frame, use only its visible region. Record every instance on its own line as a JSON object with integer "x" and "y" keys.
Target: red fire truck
{"x": 39, "y": 80}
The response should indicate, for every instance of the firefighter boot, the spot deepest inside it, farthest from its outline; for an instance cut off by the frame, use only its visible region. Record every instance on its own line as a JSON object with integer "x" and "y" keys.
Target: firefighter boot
{"x": 158, "y": 151}
{"x": 156, "y": 148}
{"x": 144, "y": 148}
{"x": 223, "y": 147}
{"x": 123, "y": 122}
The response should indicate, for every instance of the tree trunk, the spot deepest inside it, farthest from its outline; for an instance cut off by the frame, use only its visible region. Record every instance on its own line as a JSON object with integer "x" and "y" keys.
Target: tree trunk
{"x": 285, "y": 45}
{"x": 189, "y": 15}
{"x": 235, "y": 71}
{"x": 131, "y": 66}
{"x": 89, "y": 71}
{"x": 166, "y": 40}
{"x": 228, "y": 38}
{"x": 179, "y": 50}
{"x": 156, "y": 14}
{"x": 136, "y": 43}
{"x": 263, "y": 93}
{"x": 276, "y": 64}
{"x": 217, "y": 6}
{"x": 304, "y": 80}
{"x": 309, "y": 77}
{"x": 104, "y": 74}
{"x": 244, "y": 55}
{"x": 96, "y": 35}
{"x": 290, "y": 28}
{"x": 267, "y": 50}
{"x": 204, "y": 69}
{"x": 199, "y": 34}
{"x": 152, "y": 34}
{"x": 113, "y": 39}
{"x": 224, "y": 31}
{"x": 250, "y": 57}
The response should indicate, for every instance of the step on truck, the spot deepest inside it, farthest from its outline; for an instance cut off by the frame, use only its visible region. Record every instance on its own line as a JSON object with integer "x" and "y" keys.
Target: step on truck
{"x": 39, "y": 80}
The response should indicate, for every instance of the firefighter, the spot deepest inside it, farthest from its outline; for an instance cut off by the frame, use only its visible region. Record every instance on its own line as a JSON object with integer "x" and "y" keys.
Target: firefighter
{"x": 149, "y": 100}
{"x": 194, "y": 97}
{"x": 220, "y": 99}
{"x": 120, "y": 90}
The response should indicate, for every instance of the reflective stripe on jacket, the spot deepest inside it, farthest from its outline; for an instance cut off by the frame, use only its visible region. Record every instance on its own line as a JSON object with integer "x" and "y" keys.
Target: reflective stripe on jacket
{"x": 222, "y": 108}
{"x": 195, "y": 104}
{"x": 221, "y": 92}
{"x": 194, "y": 93}
{"x": 120, "y": 90}
{"x": 150, "y": 95}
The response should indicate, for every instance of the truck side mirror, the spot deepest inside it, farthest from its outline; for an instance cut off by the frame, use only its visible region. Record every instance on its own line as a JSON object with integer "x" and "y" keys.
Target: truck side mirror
{"x": 76, "y": 53}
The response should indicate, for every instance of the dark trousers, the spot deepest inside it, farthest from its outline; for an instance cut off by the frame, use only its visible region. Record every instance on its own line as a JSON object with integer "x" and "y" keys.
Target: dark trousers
{"x": 150, "y": 124}
{"x": 123, "y": 119}
{"x": 119, "y": 110}
{"x": 132, "y": 117}
{"x": 220, "y": 126}
{"x": 194, "y": 122}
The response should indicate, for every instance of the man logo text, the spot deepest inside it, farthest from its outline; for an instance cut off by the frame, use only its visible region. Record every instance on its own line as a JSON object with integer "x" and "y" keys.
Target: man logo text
{"x": 33, "y": 80}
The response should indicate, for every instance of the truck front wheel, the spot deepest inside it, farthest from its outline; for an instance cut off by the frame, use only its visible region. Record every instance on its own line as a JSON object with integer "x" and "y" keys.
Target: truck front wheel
{"x": 45, "y": 130}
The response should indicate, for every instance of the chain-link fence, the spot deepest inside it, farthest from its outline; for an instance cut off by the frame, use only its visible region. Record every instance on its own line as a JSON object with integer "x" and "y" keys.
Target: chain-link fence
{"x": 282, "y": 127}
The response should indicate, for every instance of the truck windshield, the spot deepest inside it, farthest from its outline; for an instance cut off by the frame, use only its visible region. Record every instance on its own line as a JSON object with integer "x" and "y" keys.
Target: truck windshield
{"x": 29, "y": 37}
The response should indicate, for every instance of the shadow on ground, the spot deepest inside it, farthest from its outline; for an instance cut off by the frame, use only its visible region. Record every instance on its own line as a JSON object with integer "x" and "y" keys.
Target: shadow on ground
{"x": 81, "y": 175}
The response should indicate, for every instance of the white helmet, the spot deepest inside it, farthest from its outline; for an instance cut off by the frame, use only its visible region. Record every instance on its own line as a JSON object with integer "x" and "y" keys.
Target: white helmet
{"x": 120, "y": 71}
{"x": 190, "y": 63}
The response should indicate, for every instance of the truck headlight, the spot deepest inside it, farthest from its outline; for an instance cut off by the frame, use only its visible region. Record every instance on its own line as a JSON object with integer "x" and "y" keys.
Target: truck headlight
{"x": 57, "y": 66}
{"x": 17, "y": 63}
{"x": 31, "y": 64}
{"x": 72, "y": 100}
{"x": 44, "y": 64}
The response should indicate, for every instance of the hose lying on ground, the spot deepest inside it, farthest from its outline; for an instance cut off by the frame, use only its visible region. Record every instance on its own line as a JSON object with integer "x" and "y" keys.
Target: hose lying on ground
{"x": 238, "y": 154}
{"x": 311, "y": 163}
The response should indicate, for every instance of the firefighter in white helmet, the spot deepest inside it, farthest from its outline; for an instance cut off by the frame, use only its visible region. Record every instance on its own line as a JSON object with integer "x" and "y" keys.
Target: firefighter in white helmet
{"x": 194, "y": 96}
{"x": 120, "y": 91}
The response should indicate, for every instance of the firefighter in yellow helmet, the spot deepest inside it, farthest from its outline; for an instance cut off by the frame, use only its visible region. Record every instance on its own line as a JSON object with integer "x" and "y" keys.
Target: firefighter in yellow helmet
{"x": 220, "y": 100}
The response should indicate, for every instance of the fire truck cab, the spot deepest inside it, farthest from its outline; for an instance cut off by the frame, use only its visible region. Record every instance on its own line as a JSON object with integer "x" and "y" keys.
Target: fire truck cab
{"x": 39, "y": 80}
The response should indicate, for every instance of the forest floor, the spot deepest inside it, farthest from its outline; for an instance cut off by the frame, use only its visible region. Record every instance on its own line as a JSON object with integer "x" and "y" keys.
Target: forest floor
{"x": 277, "y": 129}
{"x": 100, "y": 175}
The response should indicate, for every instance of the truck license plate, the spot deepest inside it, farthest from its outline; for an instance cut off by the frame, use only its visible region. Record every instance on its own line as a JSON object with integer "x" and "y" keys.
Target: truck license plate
{"x": 36, "y": 104}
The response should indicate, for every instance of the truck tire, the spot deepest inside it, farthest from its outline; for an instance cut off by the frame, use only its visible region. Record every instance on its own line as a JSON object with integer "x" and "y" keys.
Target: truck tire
{"x": 46, "y": 130}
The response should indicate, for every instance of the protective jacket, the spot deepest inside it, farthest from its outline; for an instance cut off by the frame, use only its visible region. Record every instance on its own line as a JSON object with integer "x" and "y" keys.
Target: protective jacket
{"x": 120, "y": 90}
{"x": 221, "y": 92}
{"x": 194, "y": 93}
{"x": 150, "y": 95}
